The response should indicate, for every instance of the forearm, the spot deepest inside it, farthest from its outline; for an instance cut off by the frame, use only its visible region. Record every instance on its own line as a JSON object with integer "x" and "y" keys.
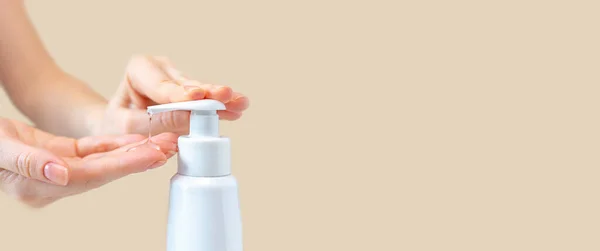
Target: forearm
{"x": 63, "y": 105}
{"x": 23, "y": 58}
{"x": 53, "y": 100}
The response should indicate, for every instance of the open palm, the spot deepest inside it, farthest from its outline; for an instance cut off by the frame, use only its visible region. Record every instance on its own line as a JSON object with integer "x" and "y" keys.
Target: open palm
{"x": 90, "y": 162}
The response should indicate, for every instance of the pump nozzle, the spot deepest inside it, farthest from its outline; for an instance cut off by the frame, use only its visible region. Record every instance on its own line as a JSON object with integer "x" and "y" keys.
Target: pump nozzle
{"x": 196, "y": 105}
{"x": 202, "y": 153}
{"x": 204, "y": 120}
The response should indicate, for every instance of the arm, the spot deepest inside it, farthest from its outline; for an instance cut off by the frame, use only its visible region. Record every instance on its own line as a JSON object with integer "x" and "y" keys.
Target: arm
{"x": 61, "y": 104}
{"x": 55, "y": 101}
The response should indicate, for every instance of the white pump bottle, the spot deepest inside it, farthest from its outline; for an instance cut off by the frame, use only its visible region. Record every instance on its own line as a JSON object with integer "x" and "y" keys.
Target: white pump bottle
{"x": 204, "y": 212}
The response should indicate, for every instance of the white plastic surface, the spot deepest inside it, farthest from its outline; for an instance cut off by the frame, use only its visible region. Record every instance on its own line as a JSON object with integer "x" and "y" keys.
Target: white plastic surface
{"x": 203, "y": 156}
{"x": 202, "y": 153}
{"x": 196, "y": 105}
{"x": 204, "y": 214}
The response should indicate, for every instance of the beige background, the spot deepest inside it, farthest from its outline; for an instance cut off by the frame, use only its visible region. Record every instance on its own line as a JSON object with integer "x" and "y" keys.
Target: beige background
{"x": 374, "y": 125}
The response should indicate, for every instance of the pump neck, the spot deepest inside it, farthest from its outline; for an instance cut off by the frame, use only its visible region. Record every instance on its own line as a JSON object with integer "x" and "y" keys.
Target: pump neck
{"x": 204, "y": 124}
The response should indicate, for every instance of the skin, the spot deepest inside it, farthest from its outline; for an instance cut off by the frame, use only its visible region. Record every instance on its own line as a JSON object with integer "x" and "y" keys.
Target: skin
{"x": 93, "y": 161}
{"x": 79, "y": 140}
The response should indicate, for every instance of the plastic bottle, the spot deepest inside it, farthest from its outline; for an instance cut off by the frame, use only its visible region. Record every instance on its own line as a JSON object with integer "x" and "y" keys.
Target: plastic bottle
{"x": 204, "y": 212}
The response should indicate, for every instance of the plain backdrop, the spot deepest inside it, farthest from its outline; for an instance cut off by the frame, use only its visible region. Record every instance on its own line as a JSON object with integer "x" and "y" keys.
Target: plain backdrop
{"x": 374, "y": 125}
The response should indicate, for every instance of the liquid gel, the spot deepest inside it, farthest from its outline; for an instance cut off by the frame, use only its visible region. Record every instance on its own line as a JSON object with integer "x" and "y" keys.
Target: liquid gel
{"x": 148, "y": 141}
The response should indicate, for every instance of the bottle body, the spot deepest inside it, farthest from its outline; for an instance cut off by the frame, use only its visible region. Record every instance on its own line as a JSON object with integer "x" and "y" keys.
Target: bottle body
{"x": 204, "y": 214}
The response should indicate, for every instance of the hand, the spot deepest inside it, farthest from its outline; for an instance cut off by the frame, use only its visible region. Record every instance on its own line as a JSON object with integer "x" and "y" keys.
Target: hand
{"x": 154, "y": 80}
{"x": 39, "y": 168}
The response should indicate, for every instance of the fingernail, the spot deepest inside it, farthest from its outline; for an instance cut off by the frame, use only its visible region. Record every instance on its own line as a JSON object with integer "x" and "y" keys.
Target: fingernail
{"x": 157, "y": 164}
{"x": 170, "y": 154}
{"x": 57, "y": 174}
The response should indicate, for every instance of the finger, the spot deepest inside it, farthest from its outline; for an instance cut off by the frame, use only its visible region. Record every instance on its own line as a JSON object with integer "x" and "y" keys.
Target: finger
{"x": 220, "y": 93}
{"x": 229, "y": 115}
{"x": 69, "y": 147}
{"x": 124, "y": 161}
{"x": 216, "y": 92}
{"x": 192, "y": 90}
{"x": 122, "y": 97}
{"x": 98, "y": 144}
{"x": 169, "y": 68}
{"x": 147, "y": 78}
{"x": 238, "y": 103}
{"x": 167, "y": 142}
{"x": 31, "y": 162}
{"x": 175, "y": 121}
{"x": 114, "y": 165}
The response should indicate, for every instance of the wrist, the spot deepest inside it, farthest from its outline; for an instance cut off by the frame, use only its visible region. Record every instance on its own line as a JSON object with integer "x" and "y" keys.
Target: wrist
{"x": 87, "y": 111}
{"x": 65, "y": 105}
{"x": 95, "y": 119}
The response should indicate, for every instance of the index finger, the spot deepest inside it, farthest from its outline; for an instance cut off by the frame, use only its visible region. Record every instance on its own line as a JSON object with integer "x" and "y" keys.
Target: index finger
{"x": 147, "y": 77}
{"x": 69, "y": 147}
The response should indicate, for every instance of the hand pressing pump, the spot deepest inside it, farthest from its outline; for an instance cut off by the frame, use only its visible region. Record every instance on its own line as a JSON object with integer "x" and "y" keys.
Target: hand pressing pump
{"x": 204, "y": 213}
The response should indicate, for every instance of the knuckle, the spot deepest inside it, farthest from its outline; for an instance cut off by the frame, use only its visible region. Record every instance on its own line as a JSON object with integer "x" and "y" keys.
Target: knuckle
{"x": 24, "y": 163}
{"x": 168, "y": 120}
{"x": 101, "y": 146}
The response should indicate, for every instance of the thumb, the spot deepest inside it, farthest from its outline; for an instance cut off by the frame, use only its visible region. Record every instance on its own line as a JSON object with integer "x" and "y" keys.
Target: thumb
{"x": 31, "y": 162}
{"x": 175, "y": 121}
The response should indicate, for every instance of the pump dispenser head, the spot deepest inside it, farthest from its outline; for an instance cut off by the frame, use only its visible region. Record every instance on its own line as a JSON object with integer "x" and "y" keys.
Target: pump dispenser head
{"x": 203, "y": 152}
{"x": 204, "y": 120}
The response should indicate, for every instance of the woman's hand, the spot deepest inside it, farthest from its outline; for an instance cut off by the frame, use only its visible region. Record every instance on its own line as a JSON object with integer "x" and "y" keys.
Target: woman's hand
{"x": 154, "y": 80}
{"x": 59, "y": 103}
{"x": 39, "y": 168}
